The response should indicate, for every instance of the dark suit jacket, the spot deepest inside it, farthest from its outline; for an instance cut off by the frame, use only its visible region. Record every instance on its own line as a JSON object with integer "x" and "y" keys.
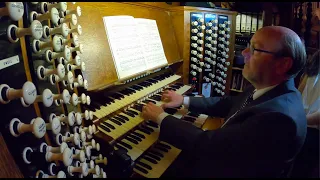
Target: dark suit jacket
{"x": 259, "y": 141}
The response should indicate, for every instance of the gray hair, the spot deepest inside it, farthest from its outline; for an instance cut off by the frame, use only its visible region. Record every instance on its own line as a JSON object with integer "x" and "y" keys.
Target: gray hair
{"x": 292, "y": 46}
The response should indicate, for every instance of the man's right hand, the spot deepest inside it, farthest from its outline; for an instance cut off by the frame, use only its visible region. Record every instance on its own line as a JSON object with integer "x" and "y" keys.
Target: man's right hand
{"x": 172, "y": 98}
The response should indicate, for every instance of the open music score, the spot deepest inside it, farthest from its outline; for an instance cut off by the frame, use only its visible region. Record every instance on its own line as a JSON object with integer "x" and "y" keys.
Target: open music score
{"x": 148, "y": 31}
{"x": 135, "y": 45}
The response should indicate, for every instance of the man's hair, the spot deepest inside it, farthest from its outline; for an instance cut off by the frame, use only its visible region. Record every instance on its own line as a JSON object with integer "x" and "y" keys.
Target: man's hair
{"x": 291, "y": 46}
{"x": 313, "y": 65}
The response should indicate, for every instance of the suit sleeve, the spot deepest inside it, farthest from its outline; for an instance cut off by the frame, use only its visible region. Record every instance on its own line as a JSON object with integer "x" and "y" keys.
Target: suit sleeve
{"x": 258, "y": 137}
{"x": 212, "y": 106}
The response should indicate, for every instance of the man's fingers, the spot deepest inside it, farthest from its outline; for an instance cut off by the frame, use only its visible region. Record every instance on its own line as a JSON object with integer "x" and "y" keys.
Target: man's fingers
{"x": 168, "y": 105}
{"x": 165, "y": 96}
{"x": 165, "y": 92}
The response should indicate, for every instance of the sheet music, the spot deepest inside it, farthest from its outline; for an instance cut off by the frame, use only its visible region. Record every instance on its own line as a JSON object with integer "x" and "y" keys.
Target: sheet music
{"x": 148, "y": 32}
{"x": 125, "y": 45}
{"x": 248, "y": 23}
{"x": 254, "y": 24}
{"x": 260, "y": 22}
{"x": 243, "y": 23}
{"x": 238, "y": 19}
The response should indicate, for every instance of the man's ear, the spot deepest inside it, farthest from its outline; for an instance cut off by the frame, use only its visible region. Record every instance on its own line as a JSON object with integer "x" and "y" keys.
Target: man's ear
{"x": 284, "y": 65}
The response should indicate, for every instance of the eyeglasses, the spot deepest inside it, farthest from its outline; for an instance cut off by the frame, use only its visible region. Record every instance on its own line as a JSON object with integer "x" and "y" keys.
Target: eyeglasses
{"x": 252, "y": 49}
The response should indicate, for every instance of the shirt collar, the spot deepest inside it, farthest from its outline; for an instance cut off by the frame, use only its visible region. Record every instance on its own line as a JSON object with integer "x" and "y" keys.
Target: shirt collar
{"x": 260, "y": 92}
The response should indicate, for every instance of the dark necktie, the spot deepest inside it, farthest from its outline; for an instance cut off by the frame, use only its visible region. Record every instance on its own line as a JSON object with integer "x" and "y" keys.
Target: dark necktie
{"x": 248, "y": 100}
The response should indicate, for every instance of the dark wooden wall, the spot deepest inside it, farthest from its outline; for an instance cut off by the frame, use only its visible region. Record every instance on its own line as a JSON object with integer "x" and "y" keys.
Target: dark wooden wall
{"x": 8, "y": 167}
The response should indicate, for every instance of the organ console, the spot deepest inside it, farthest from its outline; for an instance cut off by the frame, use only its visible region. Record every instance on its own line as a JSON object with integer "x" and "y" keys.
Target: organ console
{"x": 63, "y": 29}
{"x": 43, "y": 72}
{"x": 27, "y": 93}
{"x": 41, "y": 174}
{"x": 37, "y": 45}
{"x": 76, "y": 11}
{"x": 83, "y": 169}
{"x": 73, "y": 20}
{"x": 53, "y": 15}
{"x": 37, "y": 127}
{"x": 74, "y": 40}
{"x": 95, "y": 128}
{"x": 62, "y": 6}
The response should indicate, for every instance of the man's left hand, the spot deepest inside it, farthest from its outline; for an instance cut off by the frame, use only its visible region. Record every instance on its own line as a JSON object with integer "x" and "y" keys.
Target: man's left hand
{"x": 151, "y": 112}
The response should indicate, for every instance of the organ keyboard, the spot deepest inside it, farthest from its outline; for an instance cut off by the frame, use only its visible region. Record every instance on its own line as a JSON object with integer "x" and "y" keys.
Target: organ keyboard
{"x": 117, "y": 115}
{"x": 55, "y": 127}
{"x": 132, "y": 94}
{"x": 154, "y": 163}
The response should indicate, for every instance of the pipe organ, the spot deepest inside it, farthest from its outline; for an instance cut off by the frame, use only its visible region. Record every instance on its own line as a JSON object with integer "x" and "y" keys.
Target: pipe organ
{"x": 208, "y": 44}
{"x": 65, "y": 113}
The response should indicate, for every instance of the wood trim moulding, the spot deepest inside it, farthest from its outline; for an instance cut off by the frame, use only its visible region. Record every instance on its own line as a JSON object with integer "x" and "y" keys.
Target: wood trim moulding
{"x": 202, "y": 9}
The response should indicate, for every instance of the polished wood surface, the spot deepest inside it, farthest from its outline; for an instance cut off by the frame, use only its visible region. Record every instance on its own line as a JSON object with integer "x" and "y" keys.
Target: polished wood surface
{"x": 212, "y": 123}
{"x": 8, "y": 167}
{"x": 180, "y": 16}
{"x": 100, "y": 70}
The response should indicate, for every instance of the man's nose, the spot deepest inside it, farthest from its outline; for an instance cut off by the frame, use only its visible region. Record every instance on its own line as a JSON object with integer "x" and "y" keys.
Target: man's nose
{"x": 246, "y": 53}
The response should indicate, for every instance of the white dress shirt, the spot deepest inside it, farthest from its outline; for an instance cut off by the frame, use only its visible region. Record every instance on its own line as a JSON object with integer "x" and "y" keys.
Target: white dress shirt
{"x": 311, "y": 96}
{"x": 186, "y": 101}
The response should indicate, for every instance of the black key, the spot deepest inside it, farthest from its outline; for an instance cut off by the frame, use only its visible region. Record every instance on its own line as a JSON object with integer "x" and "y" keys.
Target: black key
{"x": 138, "y": 108}
{"x": 133, "y": 112}
{"x": 131, "y": 140}
{"x": 134, "y": 137}
{"x": 141, "y": 169}
{"x": 120, "y": 95}
{"x": 119, "y": 119}
{"x": 120, "y": 147}
{"x": 154, "y": 102}
{"x": 175, "y": 87}
{"x": 161, "y": 148}
{"x": 89, "y": 108}
{"x": 156, "y": 153}
{"x": 125, "y": 144}
{"x": 148, "y": 100}
{"x": 144, "y": 165}
{"x": 179, "y": 84}
{"x": 153, "y": 156}
{"x": 108, "y": 125}
{"x": 95, "y": 105}
{"x": 136, "y": 87}
{"x": 193, "y": 114}
{"x": 152, "y": 124}
{"x": 170, "y": 110}
{"x": 145, "y": 131}
{"x": 129, "y": 113}
{"x": 155, "y": 97}
{"x": 190, "y": 119}
{"x": 164, "y": 145}
{"x": 150, "y": 160}
{"x": 124, "y": 117}
{"x": 115, "y": 121}
{"x": 139, "y": 135}
{"x": 147, "y": 128}
{"x": 105, "y": 128}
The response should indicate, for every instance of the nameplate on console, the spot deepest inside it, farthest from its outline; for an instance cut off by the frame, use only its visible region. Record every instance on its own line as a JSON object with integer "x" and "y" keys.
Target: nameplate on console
{"x": 4, "y": 63}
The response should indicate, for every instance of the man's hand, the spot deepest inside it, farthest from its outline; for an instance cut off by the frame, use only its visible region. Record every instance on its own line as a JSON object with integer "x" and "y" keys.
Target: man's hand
{"x": 151, "y": 112}
{"x": 173, "y": 99}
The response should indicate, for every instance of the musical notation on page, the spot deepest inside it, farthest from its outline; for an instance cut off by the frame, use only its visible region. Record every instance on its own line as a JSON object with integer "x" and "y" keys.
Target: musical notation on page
{"x": 151, "y": 42}
{"x": 125, "y": 45}
{"x": 135, "y": 44}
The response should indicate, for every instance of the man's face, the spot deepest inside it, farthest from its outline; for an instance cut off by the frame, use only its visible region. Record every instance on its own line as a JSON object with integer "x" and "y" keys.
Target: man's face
{"x": 260, "y": 65}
